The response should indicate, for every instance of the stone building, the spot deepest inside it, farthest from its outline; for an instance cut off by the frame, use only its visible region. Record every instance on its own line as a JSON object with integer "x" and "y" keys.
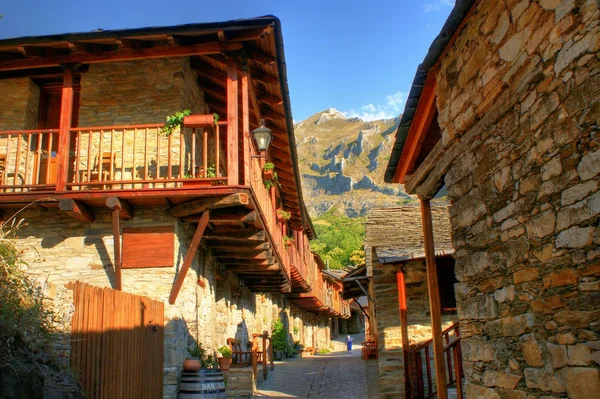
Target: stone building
{"x": 394, "y": 240}
{"x": 503, "y": 112}
{"x": 110, "y": 201}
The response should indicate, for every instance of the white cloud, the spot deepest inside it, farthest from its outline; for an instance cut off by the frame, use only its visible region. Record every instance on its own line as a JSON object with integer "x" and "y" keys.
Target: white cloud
{"x": 437, "y": 5}
{"x": 371, "y": 112}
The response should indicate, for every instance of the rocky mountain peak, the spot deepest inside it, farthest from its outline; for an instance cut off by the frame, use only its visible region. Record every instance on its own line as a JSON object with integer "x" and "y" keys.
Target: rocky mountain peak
{"x": 342, "y": 162}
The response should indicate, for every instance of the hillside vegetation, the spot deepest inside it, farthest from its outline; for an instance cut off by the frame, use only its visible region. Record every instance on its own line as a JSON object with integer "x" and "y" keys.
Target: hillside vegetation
{"x": 340, "y": 239}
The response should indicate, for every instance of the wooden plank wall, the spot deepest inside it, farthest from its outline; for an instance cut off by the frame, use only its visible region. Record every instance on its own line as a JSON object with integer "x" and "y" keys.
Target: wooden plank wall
{"x": 117, "y": 343}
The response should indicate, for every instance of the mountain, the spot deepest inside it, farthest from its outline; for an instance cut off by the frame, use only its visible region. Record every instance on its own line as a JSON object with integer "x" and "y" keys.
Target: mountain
{"x": 342, "y": 163}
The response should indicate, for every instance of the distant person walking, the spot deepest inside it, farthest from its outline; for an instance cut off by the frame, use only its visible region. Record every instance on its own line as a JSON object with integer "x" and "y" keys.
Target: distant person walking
{"x": 349, "y": 344}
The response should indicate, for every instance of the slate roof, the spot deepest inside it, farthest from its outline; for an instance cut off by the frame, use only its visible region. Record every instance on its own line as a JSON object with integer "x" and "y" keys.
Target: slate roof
{"x": 397, "y": 233}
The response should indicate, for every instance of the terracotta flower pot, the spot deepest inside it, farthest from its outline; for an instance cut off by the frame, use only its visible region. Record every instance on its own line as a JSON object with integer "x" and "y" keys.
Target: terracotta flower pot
{"x": 198, "y": 120}
{"x": 268, "y": 174}
{"x": 224, "y": 363}
{"x": 191, "y": 365}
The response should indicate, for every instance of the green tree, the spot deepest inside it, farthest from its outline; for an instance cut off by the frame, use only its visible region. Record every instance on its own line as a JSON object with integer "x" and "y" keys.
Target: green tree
{"x": 339, "y": 236}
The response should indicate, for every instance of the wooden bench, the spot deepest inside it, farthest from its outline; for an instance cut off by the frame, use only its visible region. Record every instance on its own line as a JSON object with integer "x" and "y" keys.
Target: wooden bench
{"x": 239, "y": 357}
{"x": 369, "y": 350}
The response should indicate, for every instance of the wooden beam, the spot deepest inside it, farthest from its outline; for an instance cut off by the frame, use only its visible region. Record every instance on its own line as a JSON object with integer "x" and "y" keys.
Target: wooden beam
{"x": 269, "y": 99}
{"x": 418, "y": 129}
{"x": 265, "y": 255}
{"x": 227, "y": 215}
{"x": 116, "y": 230}
{"x": 189, "y": 257}
{"x": 258, "y": 56}
{"x": 232, "y": 123}
{"x": 29, "y": 51}
{"x": 249, "y": 263}
{"x": 77, "y": 210}
{"x": 252, "y": 268}
{"x": 403, "y": 324}
{"x": 121, "y": 55}
{"x": 245, "y": 179}
{"x": 253, "y": 99}
{"x": 434, "y": 299}
{"x": 247, "y": 34}
{"x": 66, "y": 112}
{"x": 124, "y": 207}
{"x": 125, "y": 43}
{"x": 253, "y": 247}
{"x": 265, "y": 78}
{"x": 202, "y": 204}
{"x": 273, "y": 115}
{"x": 243, "y": 235}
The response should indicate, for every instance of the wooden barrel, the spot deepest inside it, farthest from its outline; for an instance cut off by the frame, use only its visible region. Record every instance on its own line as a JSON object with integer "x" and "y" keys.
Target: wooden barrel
{"x": 205, "y": 383}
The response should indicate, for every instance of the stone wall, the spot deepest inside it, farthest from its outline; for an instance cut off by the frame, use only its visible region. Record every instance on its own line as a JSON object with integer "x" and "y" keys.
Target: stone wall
{"x": 518, "y": 95}
{"x": 389, "y": 335}
{"x": 59, "y": 250}
{"x": 384, "y": 290}
{"x": 19, "y": 104}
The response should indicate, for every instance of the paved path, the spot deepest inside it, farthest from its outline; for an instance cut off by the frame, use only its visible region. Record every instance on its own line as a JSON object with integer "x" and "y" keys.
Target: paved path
{"x": 336, "y": 375}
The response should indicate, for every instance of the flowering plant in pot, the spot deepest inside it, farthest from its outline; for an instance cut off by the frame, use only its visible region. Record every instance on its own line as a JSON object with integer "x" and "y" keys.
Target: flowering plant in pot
{"x": 283, "y": 214}
{"x": 225, "y": 359}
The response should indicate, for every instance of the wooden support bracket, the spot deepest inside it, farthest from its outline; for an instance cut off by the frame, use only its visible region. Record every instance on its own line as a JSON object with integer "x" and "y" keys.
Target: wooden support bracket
{"x": 201, "y": 205}
{"x": 77, "y": 210}
{"x": 189, "y": 257}
{"x": 124, "y": 207}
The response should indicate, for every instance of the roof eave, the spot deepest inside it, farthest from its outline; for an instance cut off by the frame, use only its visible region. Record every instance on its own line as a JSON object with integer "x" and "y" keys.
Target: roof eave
{"x": 439, "y": 44}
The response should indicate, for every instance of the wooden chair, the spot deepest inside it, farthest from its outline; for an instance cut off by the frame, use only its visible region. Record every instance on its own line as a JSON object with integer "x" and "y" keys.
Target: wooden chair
{"x": 239, "y": 357}
{"x": 103, "y": 171}
{"x": 2, "y": 168}
{"x": 369, "y": 350}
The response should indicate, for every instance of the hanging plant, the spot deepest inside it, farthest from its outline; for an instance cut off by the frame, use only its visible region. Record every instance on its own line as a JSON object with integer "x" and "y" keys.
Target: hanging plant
{"x": 283, "y": 215}
{"x": 174, "y": 121}
{"x": 269, "y": 171}
{"x": 215, "y": 119}
{"x": 269, "y": 183}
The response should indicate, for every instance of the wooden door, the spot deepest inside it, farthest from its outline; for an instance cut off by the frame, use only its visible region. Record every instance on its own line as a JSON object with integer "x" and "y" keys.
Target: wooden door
{"x": 117, "y": 343}
{"x": 49, "y": 118}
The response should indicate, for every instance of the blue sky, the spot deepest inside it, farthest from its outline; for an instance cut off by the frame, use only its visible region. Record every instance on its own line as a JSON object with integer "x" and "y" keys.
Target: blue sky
{"x": 356, "y": 56}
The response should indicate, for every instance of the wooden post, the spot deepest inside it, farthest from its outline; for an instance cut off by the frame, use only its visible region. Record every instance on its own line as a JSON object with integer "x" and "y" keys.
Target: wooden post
{"x": 233, "y": 177}
{"x": 116, "y": 230}
{"x": 434, "y": 300}
{"x": 264, "y": 356}
{"x": 271, "y": 353}
{"x": 189, "y": 257}
{"x": 254, "y": 357}
{"x": 404, "y": 327}
{"x": 245, "y": 125}
{"x": 66, "y": 114}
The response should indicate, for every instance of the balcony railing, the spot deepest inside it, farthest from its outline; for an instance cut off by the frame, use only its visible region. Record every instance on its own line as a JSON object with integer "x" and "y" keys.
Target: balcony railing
{"x": 27, "y": 161}
{"x": 140, "y": 156}
{"x": 112, "y": 157}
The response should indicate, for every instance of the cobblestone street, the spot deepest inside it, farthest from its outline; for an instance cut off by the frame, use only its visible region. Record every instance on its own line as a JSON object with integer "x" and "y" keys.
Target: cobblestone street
{"x": 335, "y": 375}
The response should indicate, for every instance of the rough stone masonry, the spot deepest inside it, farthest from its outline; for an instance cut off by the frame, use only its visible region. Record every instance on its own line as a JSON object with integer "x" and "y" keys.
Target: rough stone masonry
{"x": 518, "y": 95}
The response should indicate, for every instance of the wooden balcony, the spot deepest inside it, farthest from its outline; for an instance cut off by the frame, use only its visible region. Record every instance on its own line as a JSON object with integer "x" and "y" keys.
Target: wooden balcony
{"x": 186, "y": 171}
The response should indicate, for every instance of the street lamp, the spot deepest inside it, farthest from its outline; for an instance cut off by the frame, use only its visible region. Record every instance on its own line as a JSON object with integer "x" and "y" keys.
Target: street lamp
{"x": 262, "y": 137}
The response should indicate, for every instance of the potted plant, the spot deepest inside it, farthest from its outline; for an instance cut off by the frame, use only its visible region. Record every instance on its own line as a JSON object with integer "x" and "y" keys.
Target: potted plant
{"x": 283, "y": 215}
{"x": 225, "y": 359}
{"x": 198, "y": 359}
{"x": 201, "y": 120}
{"x": 174, "y": 121}
{"x": 268, "y": 171}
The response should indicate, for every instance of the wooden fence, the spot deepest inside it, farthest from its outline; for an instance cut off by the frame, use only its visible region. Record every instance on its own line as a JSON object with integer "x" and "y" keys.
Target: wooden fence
{"x": 117, "y": 343}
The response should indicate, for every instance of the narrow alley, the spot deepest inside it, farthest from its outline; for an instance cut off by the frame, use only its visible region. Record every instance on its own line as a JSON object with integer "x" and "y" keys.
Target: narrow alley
{"x": 334, "y": 375}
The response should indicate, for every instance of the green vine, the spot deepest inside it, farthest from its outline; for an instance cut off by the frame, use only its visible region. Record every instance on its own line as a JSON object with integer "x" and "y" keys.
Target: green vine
{"x": 215, "y": 119}
{"x": 272, "y": 182}
{"x": 269, "y": 166}
{"x": 174, "y": 121}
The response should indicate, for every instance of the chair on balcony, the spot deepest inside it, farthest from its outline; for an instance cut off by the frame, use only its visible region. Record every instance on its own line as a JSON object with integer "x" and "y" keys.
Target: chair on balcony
{"x": 2, "y": 168}
{"x": 104, "y": 164}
